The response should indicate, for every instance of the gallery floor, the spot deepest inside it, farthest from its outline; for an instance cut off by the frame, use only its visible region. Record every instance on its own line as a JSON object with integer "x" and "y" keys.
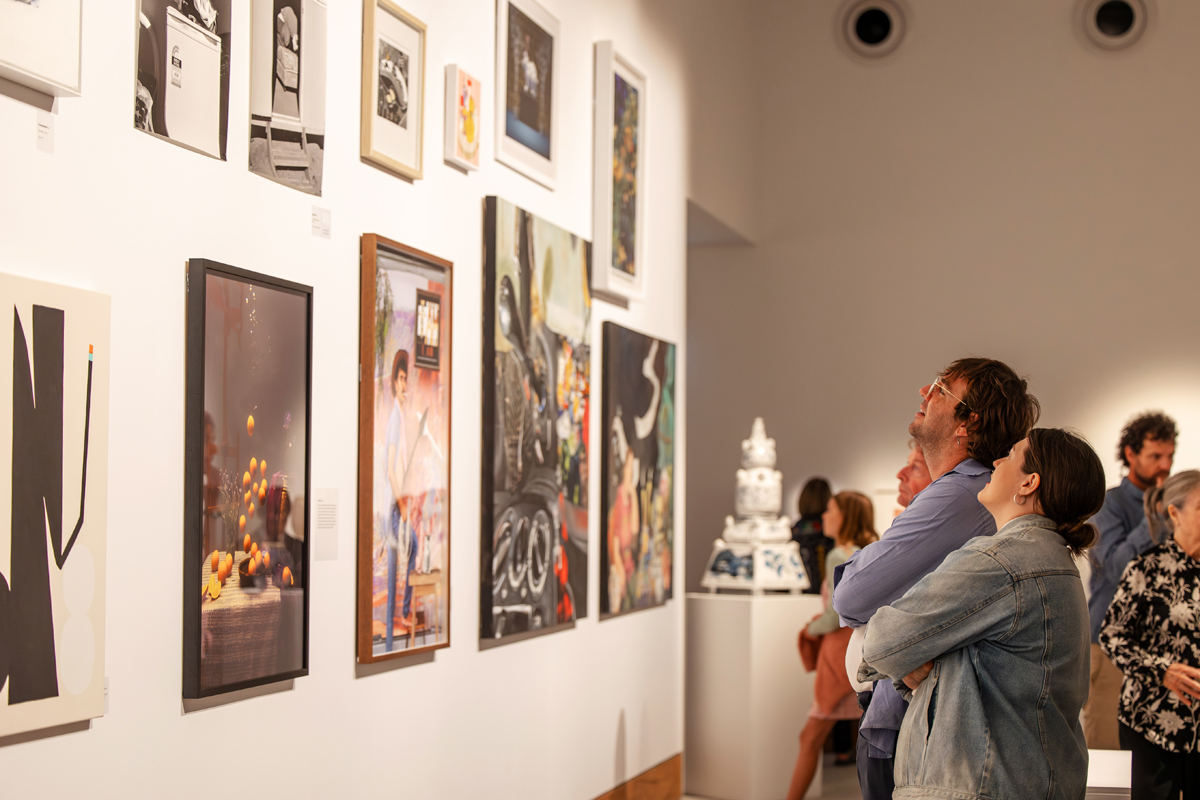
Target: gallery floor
{"x": 841, "y": 783}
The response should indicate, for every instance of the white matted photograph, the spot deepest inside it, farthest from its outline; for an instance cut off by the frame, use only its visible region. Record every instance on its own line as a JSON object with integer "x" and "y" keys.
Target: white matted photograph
{"x": 288, "y": 46}
{"x": 463, "y": 95}
{"x": 526, "y": 69}
{"x": 181, "y": 89}
{"x": 393, "y": 81}
{"x": 40, "y": 44}
{"x": 620, "y": 201}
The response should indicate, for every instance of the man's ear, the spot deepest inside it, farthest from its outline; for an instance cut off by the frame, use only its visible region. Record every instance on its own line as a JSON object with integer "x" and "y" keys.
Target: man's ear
{"x": 1129, "y": 454}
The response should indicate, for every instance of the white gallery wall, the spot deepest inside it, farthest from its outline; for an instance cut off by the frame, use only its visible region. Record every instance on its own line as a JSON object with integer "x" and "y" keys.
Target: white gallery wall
{"x": 996, "y": 187}
{"x": 569, "y": 715}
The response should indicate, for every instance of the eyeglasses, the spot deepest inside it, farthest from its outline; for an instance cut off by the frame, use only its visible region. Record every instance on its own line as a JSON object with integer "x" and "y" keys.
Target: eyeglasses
{"x": 941, "y": 387}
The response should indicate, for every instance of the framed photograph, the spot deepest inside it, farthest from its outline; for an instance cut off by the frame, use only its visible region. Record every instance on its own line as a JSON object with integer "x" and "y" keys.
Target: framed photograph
{"x": 54, "y": 382}
{"x": 246, "y": 479}
{"x": 403, "y": 451}
{"x": 619, "y": 206}
{"x": 181, "y": 89}
{"x": 393, "y": 86}
{"x": 536, "y": 380}
{"x": 40, "y": 45}
{"x": 526, "y": 69}
{"x": 462, "y": 119}
{"x": 637, "y": 516}
{"x": 287, "y": 91}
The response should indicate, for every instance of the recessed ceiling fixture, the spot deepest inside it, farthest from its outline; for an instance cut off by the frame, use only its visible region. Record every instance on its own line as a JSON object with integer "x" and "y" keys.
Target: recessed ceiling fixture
{"x": 873, "y": 28}
{"x": 1114, "y": 24}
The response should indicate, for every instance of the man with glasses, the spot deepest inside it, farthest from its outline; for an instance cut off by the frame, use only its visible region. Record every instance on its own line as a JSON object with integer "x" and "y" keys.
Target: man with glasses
{"x": 970, "y": 415}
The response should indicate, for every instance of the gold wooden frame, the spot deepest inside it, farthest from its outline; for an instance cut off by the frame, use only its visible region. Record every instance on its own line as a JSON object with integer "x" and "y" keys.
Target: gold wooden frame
{"x": 371, "y": 244}
{"x": 369, "y": 68}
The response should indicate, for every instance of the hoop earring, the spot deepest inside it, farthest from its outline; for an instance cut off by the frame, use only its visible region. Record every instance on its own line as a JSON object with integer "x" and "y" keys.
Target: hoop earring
{"x": 1018, "y": 499}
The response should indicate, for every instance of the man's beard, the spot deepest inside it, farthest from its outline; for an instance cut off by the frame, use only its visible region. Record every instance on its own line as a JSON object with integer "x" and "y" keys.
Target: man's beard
{"x": 933, "y": 442}
{"x": 1152, "y": 480}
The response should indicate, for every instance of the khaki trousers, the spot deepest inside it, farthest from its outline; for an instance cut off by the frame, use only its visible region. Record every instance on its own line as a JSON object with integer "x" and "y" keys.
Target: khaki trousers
{"x": 1100, "y": 714}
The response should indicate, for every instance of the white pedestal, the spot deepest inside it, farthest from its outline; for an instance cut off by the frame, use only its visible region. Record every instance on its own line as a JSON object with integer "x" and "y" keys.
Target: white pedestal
{"x": 1108, "y": 774}
{"x": 747, "y": 694}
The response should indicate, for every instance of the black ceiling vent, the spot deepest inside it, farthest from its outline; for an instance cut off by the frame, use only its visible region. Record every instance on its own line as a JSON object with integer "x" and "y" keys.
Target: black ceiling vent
{"x": 873, "y": 28}
{"x": 1114, "y": 24}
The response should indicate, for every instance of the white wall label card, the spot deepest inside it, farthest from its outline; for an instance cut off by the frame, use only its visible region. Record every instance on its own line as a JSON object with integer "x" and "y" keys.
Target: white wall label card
{"x": 325, "y": 523}
{"x": 45, "y": 132}
{"x": 322, "y": 222}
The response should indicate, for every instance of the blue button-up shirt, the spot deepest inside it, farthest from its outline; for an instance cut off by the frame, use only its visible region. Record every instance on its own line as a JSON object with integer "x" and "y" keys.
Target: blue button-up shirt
{"x": 940, "y": 519}
{"x": 1124, "y": 533}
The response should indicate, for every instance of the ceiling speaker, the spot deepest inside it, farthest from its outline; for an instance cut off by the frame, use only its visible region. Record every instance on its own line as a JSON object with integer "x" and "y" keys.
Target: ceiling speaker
{"x": 873, "y": 28}
{"x": 1114, "y": 24}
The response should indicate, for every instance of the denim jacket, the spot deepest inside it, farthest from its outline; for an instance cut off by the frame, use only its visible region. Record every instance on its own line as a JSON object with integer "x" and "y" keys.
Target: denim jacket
{"x": 1005, "y": 621}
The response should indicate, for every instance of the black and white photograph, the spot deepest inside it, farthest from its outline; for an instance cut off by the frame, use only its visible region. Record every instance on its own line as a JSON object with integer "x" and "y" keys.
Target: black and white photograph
{"x": 393, "y": 80}
{"x": 393, "y": 84}
{"x": 181, "y": 90}
{"x": 287, "y": 91}
{"x": 526, "y": 56}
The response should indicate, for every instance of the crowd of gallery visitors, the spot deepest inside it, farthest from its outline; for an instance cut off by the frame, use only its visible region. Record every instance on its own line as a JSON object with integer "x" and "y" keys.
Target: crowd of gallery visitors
{"x": 962, "y": 643}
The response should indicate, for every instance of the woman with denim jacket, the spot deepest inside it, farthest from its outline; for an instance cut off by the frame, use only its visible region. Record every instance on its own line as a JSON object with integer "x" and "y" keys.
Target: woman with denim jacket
{"x": 995, "y": 642}
{"x": 1150, "y": 634}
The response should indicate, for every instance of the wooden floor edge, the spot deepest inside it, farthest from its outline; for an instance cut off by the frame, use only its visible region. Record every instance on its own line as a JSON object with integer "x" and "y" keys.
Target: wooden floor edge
{"x": 661, "y": 782}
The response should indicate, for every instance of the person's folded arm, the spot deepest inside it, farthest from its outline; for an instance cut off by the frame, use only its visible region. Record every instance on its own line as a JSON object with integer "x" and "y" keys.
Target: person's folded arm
{"x": 969, "y": 598}
{"x": 1124, "y": 549}
{"x": 1124, "y": 636}
{"x": 912, "y": 547}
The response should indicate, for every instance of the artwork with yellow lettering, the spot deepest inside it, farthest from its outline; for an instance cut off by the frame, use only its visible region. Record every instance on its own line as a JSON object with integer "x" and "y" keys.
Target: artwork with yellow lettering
{"x": 404, "y": 452}
{"x": 246, "y": 479}
{"x": 54, "y": 379}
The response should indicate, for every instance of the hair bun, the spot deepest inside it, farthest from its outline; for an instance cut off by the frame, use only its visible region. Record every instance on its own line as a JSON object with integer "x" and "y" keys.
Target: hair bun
{"x": 1079, "y": 534}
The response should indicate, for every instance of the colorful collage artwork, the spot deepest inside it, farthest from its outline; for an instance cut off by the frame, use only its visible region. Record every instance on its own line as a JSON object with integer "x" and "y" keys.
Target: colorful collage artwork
{"x": 638, "y": 493}
{"x": 404, "y": 567}
{"x": 537, "y": 355}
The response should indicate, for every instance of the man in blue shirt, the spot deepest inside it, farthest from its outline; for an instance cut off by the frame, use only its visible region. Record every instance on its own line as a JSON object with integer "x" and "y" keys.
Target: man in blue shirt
{"x": 1147, "y": 448}
{"x": 971, "y": 415}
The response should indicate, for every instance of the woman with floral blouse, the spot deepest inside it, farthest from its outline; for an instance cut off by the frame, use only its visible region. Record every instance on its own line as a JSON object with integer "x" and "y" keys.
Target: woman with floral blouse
{"x": 1150, "y": 632}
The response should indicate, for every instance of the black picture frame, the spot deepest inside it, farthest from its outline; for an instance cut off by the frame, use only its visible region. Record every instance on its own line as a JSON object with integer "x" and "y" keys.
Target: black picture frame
{"x": 194, "y": 469}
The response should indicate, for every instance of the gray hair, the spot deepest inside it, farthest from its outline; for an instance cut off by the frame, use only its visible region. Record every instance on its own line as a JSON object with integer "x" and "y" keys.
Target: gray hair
{"x": 1174, "y": 492}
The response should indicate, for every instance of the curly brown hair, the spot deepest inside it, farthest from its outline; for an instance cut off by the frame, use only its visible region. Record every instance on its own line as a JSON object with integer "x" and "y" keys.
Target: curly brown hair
{"x": 1153, "y": 425}
{"x": 997, "y": 407}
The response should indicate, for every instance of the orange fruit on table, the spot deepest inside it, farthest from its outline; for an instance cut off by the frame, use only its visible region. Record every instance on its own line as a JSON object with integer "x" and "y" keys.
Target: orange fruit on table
{"x": 262, "y": 465}
{"x": 253, "y": 465}
{"x": 287, "y": 577}
{"x": 214, "y": 588}
{"x": 250, "y": 424}
{"x": 228, "y": 563}
{"x": 216, "y": 559}
{"x": 221, "y": 573}
{"x": 246, "y": 541}
{"x": 262, "y": 493}
{"x": 245, "y": 479}
{"x": 266, "y": 559}
{"x": 253, "y": 549}
{"x": 253, "y": 567}
{"x": 258, "y": 562}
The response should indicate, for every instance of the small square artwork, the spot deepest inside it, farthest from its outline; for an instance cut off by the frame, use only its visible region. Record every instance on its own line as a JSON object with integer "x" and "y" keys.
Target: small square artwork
{"x": 463, "y": 118}
{"x": 638, "y": 491}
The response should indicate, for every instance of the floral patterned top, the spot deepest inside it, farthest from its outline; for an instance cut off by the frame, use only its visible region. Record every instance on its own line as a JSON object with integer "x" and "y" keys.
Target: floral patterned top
{"x": 1150, "y": 625}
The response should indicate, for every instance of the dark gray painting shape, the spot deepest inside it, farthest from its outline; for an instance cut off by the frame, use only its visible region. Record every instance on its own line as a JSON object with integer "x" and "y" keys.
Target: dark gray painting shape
{"x": 27, "y": 657}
